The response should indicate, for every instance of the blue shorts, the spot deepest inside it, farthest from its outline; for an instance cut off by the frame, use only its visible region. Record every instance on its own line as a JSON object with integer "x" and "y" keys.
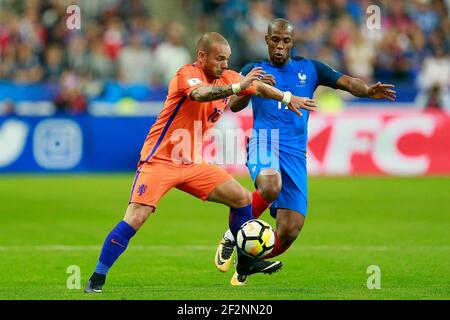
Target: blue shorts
{"x": 294, "y": 190}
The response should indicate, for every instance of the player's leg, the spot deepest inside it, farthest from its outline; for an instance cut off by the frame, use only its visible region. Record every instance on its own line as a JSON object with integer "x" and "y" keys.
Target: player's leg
{"x": 268, "y": 183}
{"x": 212, "y": 183}
{"x": 267, "y": 180}
{"x": 268, "y": 186}
{"x": 245, "y": 265}
{"x": 291, "y": 205}
{"x": 143, "y": 202}
{"x": 137, "y": 214}
{"x": 117, "y": 242}
{"x": 209, "y": 182}
{"x": 230, "y": 193}
{"x": 289, "y": 224}
{"x": 263, "y": 165}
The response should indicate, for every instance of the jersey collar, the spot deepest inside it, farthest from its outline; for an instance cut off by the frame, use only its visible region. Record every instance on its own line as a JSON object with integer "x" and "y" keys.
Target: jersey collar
{"x": 285, "y": 67}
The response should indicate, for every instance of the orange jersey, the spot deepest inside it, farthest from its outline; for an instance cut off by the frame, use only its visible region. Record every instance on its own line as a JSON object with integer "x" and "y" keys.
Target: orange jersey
{"x": 182, "y": 121}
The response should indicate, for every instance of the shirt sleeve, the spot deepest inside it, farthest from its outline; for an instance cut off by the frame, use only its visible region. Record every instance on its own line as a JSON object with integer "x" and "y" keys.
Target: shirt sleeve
{"x": 326, "y": 75}
{"x": 247, "y": 68}
{"x": 188, "y": 79}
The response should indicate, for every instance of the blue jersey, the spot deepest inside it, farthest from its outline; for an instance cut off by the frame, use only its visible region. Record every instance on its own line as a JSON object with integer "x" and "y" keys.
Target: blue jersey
{"x": 301, "y": 77}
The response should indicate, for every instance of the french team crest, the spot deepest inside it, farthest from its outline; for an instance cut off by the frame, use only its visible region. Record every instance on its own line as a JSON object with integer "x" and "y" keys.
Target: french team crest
{"x": 302, "y": 79}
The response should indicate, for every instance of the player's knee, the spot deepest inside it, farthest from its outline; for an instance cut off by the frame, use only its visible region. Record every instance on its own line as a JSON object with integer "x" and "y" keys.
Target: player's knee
{"x": 242, "y": 199}
{"x": 270, "y": 192}
{"x": 269, "y": 184}
{"x": 137, "y": 220}
{"x": 137, "y": 214}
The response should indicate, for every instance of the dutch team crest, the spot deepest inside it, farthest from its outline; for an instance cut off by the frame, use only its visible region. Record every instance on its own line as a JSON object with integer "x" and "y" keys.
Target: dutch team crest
{"x": 141, "y": 189}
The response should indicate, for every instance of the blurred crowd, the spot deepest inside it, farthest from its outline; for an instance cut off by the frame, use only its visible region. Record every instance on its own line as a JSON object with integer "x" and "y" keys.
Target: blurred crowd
{"x": 123, "y": 40}
{"x": 411, "y": 46}
{"x": 340, "y": 32}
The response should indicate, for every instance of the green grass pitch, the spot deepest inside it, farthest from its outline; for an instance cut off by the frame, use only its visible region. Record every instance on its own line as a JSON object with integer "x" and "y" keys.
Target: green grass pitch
{"x": 402, "y": 225}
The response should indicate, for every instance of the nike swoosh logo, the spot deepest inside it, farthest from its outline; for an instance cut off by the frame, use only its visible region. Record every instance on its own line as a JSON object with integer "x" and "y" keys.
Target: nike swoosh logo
{"x": 115, "y": 242}
{"x": 271, "y": 266}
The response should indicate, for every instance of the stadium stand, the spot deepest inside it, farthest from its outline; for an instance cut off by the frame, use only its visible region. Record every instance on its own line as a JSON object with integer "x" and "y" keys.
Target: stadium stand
{"x": 125, "y": 52}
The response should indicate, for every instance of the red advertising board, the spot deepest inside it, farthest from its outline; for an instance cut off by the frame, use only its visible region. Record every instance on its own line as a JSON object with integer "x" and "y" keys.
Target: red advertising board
{"x": 369, "y": 142}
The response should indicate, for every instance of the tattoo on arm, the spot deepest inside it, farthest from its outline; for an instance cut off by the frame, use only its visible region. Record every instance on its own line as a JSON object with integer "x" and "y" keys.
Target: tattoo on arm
{"x": 210, "y": 93}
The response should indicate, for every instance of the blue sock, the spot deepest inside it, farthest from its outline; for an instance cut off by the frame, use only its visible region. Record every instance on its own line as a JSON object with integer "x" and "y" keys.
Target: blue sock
{"x": 115, "y": 244}
{"x": 238, "y": 216}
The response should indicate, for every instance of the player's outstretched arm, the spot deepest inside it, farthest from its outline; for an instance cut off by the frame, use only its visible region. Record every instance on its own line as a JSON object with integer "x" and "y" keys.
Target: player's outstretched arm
{"x": 238, "y": 103}
{"x": 359, "y": 88}
{"x": 211, "y": 93}
{"x": 294, "y": 103}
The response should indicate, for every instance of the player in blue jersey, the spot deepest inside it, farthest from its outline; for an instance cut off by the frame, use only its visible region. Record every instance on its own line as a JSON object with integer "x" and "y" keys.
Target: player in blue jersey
{"x": 277, "y": 148}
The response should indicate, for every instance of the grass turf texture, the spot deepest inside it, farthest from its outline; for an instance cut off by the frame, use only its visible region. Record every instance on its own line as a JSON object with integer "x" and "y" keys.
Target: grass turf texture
{"x": 48, "y": 223}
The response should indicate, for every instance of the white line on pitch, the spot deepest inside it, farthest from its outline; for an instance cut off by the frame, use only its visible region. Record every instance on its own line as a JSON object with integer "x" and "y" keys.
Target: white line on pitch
{"x": 60, "y": 247}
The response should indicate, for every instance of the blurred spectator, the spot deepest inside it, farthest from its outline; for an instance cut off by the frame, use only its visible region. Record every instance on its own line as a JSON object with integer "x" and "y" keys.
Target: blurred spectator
{"x": 434, "y": 79}
{"x": 8, "y": 62}
{"x": 301, "y": 14}
{"x": 435, "y": 69}
{"x": 425, "y": 17}
{"x": 27, "y": 67}
{"x": 131, "y": 8}
{"x": 341, "y": 33}
{"x": 171, "y": 54}
{"x": 99, "y": 64}
{"x": 30, "y": 29}
{"x": 77, "y": 54}
{"x": 435, "y": 99}
{"x": 53, "y": 63}
{"x": 329, "y": 56}
{"x": 256, "y": 28}
{"x": 70, "y": 98}
{"x": 397, "y": 18}
{"x": 136, "y": 63}
{"x": 154, "y": 34}
{"x": 113, "y": 38}
{"x": 359, "y": 55}
{"x": 139, "y": 25}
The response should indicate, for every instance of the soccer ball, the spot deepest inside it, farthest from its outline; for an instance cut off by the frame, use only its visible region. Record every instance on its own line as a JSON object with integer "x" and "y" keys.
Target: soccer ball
{"x": 256, "y": 238}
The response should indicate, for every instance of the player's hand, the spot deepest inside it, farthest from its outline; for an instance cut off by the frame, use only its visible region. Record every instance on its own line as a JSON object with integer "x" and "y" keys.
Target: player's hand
{"x": 298, "y": 103}
{"x": 268, "y": 79}
{"x": 382, "y": 91}
{"x": 255, "y": 74}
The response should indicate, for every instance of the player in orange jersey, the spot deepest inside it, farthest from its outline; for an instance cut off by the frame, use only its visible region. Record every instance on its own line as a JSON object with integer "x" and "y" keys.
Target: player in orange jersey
{"x": 198, "y": 94}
